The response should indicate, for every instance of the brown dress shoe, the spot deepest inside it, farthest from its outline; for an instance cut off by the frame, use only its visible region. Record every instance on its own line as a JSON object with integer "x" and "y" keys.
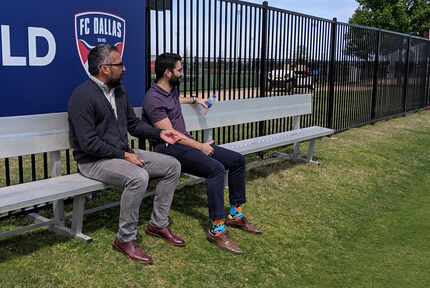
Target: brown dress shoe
{"x": 133, "y": 251}
{"x": 166, "y": 234}
{"x": 242, "y": 223}
{"x": 223, "y": 241}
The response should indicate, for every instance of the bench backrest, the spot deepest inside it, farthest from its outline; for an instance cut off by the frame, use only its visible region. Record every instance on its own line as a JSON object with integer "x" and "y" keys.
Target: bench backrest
{"x": 23, "y": 135}
{"x": 33, "y": 134}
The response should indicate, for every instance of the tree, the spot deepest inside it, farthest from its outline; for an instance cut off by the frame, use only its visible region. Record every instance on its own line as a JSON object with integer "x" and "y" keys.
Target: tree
{"x": 406, "y": 16}
{"x": 420, "y": 17}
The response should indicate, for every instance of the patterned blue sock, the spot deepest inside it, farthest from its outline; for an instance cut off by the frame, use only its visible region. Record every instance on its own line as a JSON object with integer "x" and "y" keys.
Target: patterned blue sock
{"x": 236, "y": 212}
{"x": 218, "y": 228}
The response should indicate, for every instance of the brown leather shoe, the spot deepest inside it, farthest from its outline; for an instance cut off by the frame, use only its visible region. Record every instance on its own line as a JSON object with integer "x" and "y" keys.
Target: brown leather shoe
{"x": 242, "y": 223}
{"x": 133, "y": 251}
{"x": 223, "y": 241}
{"x": 166, "y": 234}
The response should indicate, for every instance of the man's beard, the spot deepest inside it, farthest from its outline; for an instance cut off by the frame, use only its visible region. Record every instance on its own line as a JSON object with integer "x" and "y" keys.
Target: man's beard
{"x": 113, "y": 83}
{"x": 174, "y": 82}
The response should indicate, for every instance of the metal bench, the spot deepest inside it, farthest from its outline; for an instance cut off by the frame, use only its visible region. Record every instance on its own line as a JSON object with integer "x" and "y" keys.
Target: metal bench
{"x": 24, "y": 135}
{"x": 227, "y": 113}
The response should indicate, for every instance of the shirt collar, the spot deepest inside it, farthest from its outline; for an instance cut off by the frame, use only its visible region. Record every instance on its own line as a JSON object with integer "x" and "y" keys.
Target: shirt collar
{"x": 102, "y": 85}
{"x": 162, "y": 91}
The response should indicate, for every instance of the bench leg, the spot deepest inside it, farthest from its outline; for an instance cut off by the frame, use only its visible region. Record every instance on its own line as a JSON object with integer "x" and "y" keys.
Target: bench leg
{"x": 311, "y": 151}
{"x": 78, "y": 218}
{"x": 290, "y": 157}
{"x": 58, "y": 209}
{"x": 53, "y": 226}
{"x": 296, "y": 151}
{"x": 294, "y": 156}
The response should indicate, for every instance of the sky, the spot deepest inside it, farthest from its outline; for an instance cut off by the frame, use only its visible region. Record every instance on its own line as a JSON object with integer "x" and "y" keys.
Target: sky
{"x": 341, "y": 9}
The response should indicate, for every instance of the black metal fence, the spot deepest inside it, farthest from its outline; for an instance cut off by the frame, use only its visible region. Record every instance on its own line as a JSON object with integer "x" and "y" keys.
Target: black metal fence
{"x": 238, "y": 50}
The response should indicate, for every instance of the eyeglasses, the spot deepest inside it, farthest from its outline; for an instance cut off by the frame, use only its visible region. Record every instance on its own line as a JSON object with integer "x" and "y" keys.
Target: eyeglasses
{"x": 115, "y": 64}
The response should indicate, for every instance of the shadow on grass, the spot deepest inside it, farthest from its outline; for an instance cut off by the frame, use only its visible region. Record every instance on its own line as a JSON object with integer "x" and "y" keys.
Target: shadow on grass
{"x": 268, "y": 169}
{"x": 27, "y": 244}
{"x": 188, "y": 201}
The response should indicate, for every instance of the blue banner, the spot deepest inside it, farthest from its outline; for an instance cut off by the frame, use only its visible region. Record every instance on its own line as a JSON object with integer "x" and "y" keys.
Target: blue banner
{"x": 45, "y": 44}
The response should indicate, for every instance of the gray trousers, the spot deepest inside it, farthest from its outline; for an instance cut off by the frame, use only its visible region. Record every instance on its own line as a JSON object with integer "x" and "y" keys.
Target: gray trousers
{"x": 134, "y": 181}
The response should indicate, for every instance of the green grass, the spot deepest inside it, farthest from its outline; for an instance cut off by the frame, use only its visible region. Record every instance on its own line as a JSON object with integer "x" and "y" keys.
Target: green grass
{"x": 361, "y": 219}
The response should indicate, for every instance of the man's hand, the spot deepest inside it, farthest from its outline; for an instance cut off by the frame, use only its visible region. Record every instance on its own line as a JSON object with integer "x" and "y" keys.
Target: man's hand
{"x": 202, "y": 102}
{"x": 171, "y": 136}
{"x": 206, "y": 148}
{"x": 203, "y": 105}
{"x": 132, "y": 158}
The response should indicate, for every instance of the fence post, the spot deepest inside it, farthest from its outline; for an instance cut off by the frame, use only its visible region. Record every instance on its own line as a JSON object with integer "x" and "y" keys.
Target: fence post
{"x": 375, "y": 76}
{"x": 263, "y": 63}
{"x": 405, "y": 84}
{"x": 331, "y": 78}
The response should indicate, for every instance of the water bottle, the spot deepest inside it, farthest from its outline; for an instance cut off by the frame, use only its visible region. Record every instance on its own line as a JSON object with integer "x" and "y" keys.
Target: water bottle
{"x": 212, "y": 100}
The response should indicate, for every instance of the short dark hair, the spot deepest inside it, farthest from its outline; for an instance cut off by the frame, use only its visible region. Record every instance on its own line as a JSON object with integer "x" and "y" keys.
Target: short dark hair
{"x": 98, "y": 56}
{"x": 165, "y": 61}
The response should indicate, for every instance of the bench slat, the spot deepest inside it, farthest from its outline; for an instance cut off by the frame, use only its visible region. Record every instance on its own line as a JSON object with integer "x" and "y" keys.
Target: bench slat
{"x": 227, "y": 113}
{"x": 48, "y": 190}
{"x": 32, "y": 143}
{"x": 33, "y": 123}
{"x": 275, "y": 140}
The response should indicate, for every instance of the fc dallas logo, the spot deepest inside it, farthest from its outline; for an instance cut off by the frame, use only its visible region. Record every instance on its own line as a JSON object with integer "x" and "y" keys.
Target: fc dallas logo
{"x": 95, "y": 28}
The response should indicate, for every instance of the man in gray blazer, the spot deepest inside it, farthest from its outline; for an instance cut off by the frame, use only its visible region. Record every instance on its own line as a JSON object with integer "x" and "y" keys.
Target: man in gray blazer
{"x": 100, "y": 117}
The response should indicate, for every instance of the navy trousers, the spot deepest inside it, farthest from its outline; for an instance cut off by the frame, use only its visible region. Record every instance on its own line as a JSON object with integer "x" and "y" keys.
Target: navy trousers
{"x": 212, "y": 168}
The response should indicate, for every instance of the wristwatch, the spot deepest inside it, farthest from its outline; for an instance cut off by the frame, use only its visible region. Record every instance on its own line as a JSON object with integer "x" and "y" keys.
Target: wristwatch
{"x": 194, "y": 98}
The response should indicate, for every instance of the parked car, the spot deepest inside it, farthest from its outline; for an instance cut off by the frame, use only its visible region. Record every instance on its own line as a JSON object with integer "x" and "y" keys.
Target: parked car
{"x": 281, "y": 80}
{"x": 293, "y": 77}
{"x": 304, "y": 79}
